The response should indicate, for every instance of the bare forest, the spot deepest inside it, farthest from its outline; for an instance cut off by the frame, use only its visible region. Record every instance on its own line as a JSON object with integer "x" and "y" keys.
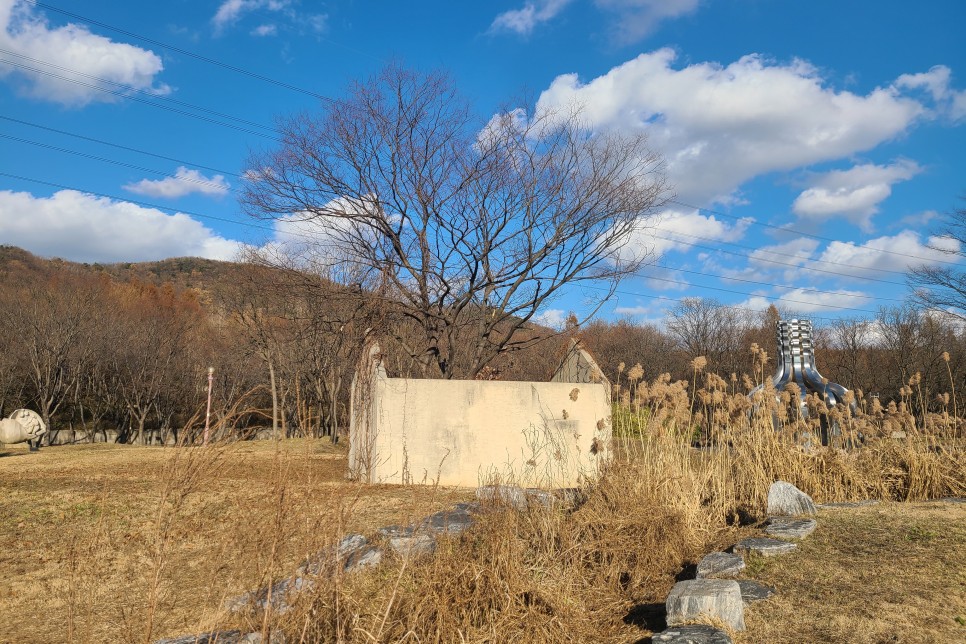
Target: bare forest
{"x": 125, "y": 348}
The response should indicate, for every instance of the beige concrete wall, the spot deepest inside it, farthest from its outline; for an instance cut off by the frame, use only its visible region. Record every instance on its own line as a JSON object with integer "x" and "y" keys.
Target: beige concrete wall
{"x": 538, "y": 434}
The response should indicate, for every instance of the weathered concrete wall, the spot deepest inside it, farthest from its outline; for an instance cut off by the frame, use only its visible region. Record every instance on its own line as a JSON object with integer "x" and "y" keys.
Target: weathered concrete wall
{"x": 458, "y": 432}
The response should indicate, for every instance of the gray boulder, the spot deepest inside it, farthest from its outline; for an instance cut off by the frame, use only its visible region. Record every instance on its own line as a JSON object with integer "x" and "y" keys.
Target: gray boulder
{"x": 763, "y": 547}
{"x": 697, "y": 599}
{"x": 719, "y": 565}
{"x": 413, "y": 545}
{"x": 753, "y": 591}
{"x": 694, "y": 634}
{"x": 784, "y": 499}
{"x": 788, "y": 528}
{"x": 452, "y": 521}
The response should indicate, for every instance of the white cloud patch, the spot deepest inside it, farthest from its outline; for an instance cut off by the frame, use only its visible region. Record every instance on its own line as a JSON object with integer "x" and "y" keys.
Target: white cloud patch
{"x": 522, "y": 21}
{"x": 637, "y": 19}
{"x": 553, "y": 318}
{"x": 232, "y": 12}
{"x": 853, "y": 194}
{"x": 85, "y": 228}
{"x": 949, "y": 102}
{"x": 719, "y": 126}
{"x": 903, "y": 250}
{"x": 265, "y": 30}
{"x": 184, "y": 182}
{"x": 29, "y": 37}
{"x": 673, "y": 230}
{"x": 803, "y": 300}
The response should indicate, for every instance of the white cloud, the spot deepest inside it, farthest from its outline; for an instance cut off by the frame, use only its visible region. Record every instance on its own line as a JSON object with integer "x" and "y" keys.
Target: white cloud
{"x": 265, "y": 30}
{"x": 184, "y": 182}
{"x": 852, "y": 194}
{"x": 905, "y": 249}
{"x": 71, "y": 47}
{"x": 231, "y": 12}
{"x": 949, "y": 102}
{"x": 522, "y": 21}
{"x": 553, "y": 318}
{"x": 720, "y": 126}
{"x": 802, "y": 300}
{"x": 672, "y": 231}
{"x": 636, "y": 19}
{"x": 82, "y": 227}
{"x": 920, "y": 219}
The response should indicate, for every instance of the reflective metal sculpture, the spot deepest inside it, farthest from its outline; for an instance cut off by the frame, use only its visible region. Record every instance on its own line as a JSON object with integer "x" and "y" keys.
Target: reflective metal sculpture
{"x": 796, "y": 364}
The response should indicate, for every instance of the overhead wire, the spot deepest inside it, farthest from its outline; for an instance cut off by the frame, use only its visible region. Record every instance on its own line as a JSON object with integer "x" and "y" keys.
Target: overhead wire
{"x": 806, "y": 265}
{"x": 119, "y": 146}
{"x": 170, "y": 108}
{"x": 200, "y": 215}
{"x": 181, "y": 50}
{"x": 124, "y": 164}
{"x": 123, "y": 86}
{"x": 800, "y": 233}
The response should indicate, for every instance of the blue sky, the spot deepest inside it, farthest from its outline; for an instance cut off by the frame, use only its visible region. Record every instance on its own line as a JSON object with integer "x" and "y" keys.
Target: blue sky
{"x": 812, "y": 146}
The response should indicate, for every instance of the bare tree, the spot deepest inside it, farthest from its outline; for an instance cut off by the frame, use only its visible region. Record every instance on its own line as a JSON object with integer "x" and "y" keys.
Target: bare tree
{"x": 943, "y": 287}
{"x": 467, "y": 227}
{"x": 705, "y": 327}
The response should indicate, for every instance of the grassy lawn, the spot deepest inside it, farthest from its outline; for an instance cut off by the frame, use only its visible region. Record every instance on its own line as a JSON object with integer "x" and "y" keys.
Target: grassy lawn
{"x": 894, "y": 572}
{"x": 106, "y": 542}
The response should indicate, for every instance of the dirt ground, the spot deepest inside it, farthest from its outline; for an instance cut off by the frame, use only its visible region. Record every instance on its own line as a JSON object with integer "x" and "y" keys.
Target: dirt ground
{"x": 119, "y": 543}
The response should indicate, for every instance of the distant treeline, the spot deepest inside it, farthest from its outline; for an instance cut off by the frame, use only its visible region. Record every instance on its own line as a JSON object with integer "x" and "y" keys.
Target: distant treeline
{"x": 128, "y": 347}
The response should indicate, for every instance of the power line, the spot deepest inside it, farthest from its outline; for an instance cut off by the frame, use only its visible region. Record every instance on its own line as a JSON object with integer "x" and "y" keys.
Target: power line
{"x": 773, "y": 285}
{"x": 123, "y": 86}
{"x": 185, "y": 52}
{"x": 773, "y": 261}
{"x": 671, "y": 239}
{"x": 119, "y": 163}
{"x": 139, "y": 100}
{"x": 767, "y": 297}
{"x": 253, "y": 225}
{"x": 801, "y": 233}
{"x": 119, "y": 146}
{"x": 682, "y": 299}
{"x": 136, "y": 202}
{"x": 778, "y": 254}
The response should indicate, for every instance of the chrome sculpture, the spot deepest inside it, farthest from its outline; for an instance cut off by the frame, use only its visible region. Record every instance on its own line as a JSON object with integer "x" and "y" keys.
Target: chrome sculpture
{"x": 796, "y": 364}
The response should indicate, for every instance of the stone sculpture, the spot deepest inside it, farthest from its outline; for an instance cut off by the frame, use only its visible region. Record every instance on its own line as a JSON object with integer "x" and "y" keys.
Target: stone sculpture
{"x": 21, "y": 426}
{"x": 796, "y": 364}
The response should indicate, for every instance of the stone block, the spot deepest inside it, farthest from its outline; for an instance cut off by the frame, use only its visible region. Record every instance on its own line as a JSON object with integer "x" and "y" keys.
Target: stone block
{"x": 764, "y": 547}
{"x": 413, "y": 545}
{"x": 452, "y": 521}
{"x": 784, "y": 499}
{"x": 697, "y": 599}
{"x": 788, "y": 528}
{"x": 718, "y": 565}
{"x": 753, "y": 591}
{"x": 694, "y": 634}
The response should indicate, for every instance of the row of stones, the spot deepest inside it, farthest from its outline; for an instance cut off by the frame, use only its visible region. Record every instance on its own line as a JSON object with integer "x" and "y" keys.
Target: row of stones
{"x": 715, "y": 593}
{"x": 356, "y": 552}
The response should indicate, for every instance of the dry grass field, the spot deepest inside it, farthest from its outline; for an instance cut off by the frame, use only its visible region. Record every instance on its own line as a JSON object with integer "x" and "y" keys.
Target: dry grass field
{"x": 118, "y": 543}
{"x": 129, "y": 544}
{"x": 894, "y": 572}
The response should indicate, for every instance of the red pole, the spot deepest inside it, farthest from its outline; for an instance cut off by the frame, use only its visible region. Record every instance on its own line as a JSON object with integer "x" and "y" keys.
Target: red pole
{"x": 211, "y": 374}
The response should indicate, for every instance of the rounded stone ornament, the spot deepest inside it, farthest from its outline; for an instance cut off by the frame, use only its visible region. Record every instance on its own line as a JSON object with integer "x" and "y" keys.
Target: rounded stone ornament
{"x": 21, "y": 426}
